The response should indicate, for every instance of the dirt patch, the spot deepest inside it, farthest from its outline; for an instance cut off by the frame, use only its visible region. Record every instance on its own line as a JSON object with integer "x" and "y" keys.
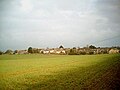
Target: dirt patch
{"x": 110, "y": 80}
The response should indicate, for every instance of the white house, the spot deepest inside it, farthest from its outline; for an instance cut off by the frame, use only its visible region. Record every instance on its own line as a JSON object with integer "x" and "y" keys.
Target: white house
{"x": 113, "y": 51}
{"x": 46, "y": 52}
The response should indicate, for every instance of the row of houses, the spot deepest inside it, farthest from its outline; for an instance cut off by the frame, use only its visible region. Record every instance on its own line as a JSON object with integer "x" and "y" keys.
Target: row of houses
{"x": 68, "y": 51}
{"x": 41, "y": 51}
{"x": 53, "y": 51}
{"x": 20, "y": 52}
{"x": 99, "y": 50}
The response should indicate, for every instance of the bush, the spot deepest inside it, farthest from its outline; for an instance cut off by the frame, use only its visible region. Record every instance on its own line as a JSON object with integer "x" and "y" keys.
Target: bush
{"x": 1, "y": 52}
{"x": 82, "y": 53}
{"x": 91, "y": 52}
{"x": 72, "y": 52}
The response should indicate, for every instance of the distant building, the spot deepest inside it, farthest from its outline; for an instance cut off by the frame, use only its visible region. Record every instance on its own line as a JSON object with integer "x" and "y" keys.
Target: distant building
{"x": 113, "y": 51}
{"x": 54, "y": 51}
{"x": 20, "y": 52}
{"x": 46, "y": 51}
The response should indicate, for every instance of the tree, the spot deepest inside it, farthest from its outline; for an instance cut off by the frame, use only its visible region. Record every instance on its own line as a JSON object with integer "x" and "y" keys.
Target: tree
{"x": 92, "y": 47}
{"x": 61, "y": 46}
{"x": 30, "y": 50}
{"x": 73, "y": 51}
{"x": 74, "y": 48}
{"x": 35, "y": 50}
{"x": 9, "y": 52}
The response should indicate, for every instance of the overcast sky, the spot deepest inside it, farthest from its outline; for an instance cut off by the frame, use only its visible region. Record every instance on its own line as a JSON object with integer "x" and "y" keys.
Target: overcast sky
{"x": 50, "y": 23}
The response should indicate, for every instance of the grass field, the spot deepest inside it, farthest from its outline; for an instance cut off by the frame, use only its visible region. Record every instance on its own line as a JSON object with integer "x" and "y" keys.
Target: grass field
{"x": 59, "y": 72}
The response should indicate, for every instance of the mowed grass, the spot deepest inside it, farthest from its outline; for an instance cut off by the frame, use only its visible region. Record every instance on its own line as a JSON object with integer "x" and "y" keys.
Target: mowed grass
{"x": 58, "y": 72}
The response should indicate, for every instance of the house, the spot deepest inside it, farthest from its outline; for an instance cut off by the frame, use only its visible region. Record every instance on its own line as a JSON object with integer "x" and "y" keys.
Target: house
{"x": 46, "y": 51}
{"x": 36, "y": 50}
{"x": 54, "y": 51}
{"x": 114, "y": 50}
{"x": 102, "y": 51}
{"x": 60, "y": 51}
{"x": 20, "y": 52}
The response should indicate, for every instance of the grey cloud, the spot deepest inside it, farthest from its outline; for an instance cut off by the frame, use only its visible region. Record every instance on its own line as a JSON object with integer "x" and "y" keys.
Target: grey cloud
{"x": 49, "y": 23}
{"x": 109, "y": 9}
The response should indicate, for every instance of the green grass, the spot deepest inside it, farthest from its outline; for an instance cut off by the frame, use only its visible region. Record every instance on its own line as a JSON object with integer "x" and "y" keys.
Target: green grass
{"x": 55, "y": 72}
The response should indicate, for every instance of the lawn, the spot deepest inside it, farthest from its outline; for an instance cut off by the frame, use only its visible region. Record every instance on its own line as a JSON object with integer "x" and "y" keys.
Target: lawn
{"x": 59, "y": 72}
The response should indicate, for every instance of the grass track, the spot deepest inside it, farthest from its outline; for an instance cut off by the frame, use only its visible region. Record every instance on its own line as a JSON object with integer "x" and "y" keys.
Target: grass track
{"x": 59, "y": 72}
